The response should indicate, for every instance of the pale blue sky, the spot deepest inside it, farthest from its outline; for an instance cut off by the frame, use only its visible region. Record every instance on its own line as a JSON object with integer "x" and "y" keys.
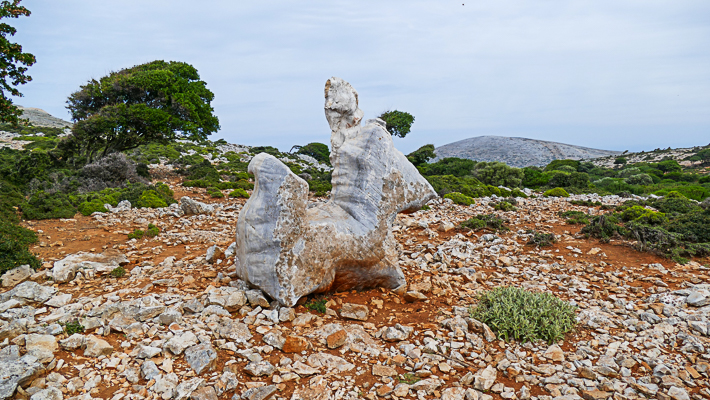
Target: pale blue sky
{"x": 615, "y": 75}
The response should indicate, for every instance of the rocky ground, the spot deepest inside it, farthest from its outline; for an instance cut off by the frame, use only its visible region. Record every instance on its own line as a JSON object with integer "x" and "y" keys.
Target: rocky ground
{"x": 180, "y": 325}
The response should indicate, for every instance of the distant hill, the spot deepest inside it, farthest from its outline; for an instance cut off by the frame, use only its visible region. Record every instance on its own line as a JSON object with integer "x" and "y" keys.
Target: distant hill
{"x": 39, "y": 117}
{"x": 516, "y": 151}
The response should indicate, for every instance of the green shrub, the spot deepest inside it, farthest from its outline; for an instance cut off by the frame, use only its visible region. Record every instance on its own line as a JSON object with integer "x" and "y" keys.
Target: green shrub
{"x": 459, "y": 198}
{"x": 453, "y": 166}
{"x": 422, "y": 155}
{"x": 90, "y": 207}
{"x": 136, "y": 234}
{"x": 14, "y": 246}
{"x": 151, "y": 199}
{"x": 517, "y": 314}
{"x": 587, "y": 203}
{"x": 556, "y": 192}
{"x": 575, "y": 217}
{"x": 152, "y": 231}
{"x": 118, "y": 272}
{"x": 560, "y": 165}
{"x": 489, "y": 221}
{"x": 604, "y": 227}
{"x": 265, "y": 149}
{"x": 317, "y": 305}
{"x": 640, "y": 179}
{"x": 321, "y": 188}
{"x": 239, "y": 193}
{"x": 42, "y": 205}
{"x": 498, "y": 174}
{"x": 73, "y": 327}
{"x": 541, "y": 239}
{"x": 504, "y": 206}
{"x": 214, "y": 192}
{"x": 643, "y": 215}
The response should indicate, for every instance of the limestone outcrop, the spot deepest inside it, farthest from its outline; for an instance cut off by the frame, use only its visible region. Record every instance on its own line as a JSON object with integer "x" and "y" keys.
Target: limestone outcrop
{"x": 289, "y": 250}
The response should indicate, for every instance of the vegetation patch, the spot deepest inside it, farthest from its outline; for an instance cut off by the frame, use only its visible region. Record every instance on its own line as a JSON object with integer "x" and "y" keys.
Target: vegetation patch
{"x": 151, "y": 232}
{"x": 517, "y": 314}
{"x": 317, "y": 304}
{"x": 73, "y": 327}
{"x": 239, "y": 193}
{"x": 486, "y": 221}
{"x": 118, "y": 272}
{"x": 541, "y": 239}
{"x": 575, "y": 217}
{"x": 460, "y": 199}
{"x": 556, "y": 192}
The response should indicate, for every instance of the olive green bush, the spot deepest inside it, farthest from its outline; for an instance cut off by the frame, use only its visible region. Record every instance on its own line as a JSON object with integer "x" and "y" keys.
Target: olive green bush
{"x": 486, "y": 221}
{"x": 239, "y": 193}
{"x": 556, "y": 192}
{"x": 460, "y": 199}
{"x": 517, "y": 314}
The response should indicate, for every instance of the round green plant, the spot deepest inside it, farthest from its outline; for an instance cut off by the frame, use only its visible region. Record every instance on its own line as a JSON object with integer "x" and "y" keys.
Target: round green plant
{"x": 518, "y": 314}
{"x": 556, "y": 192}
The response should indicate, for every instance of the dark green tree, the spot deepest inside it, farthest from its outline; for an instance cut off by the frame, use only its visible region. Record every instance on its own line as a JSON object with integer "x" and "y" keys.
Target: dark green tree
{"x": 13, "y": 62}
{"x": 399, "y": 123}
{"x": 155, "y": 102}
{"x": 319, "y": 151}
{"x": 422, "y": 155}
{"x": 497, "y": 173}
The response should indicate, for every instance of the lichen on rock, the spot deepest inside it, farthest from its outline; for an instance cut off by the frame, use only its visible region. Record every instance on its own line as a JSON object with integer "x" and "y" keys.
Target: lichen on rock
{"x": 289, "y": 250}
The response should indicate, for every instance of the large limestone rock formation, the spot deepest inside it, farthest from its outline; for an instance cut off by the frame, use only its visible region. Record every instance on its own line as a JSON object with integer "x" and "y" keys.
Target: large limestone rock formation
{"x": 289, "y": 250}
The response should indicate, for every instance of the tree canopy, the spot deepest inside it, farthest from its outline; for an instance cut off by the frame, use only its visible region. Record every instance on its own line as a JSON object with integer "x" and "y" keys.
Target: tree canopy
{"x": 422, "y": 155}
{"x": 399, "y": 123}
{"x": 13, "y": 62}
{"x": 319, "y": 151}
{"x": 154, "y": 102}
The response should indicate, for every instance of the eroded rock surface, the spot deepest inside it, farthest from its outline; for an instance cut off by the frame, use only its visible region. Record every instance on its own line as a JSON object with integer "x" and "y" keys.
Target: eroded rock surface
{"x": 289, "y": 250}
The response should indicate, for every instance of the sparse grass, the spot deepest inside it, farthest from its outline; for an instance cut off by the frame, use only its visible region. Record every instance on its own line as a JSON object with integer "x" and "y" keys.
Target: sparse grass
{"x": 152, "y": 231}
{"x": 504, "y": 206}
{"x": 517, "y": 314}
{"x": 408, "y": 378}
{"x": 460, "y": 199}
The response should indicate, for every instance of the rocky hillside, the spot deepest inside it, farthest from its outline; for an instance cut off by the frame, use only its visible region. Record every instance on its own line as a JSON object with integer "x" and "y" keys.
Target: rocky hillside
{"x": 39, "y": 117}
{"x": 517, "y": 152}
{"x": 166, "y": 317}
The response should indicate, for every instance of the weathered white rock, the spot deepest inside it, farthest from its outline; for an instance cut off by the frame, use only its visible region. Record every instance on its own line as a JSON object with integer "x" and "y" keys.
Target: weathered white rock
{"x": 201, "y": 358}
{"x": 14, "y": 372}
{"x": 289, "y": 250}
{"x": 354, "y": 311}
{"x": 50, "y": 393}
{"x": 28, "y": 292}
{"x": 259, "y": 368}
{"x": 485, "y": 378}
{"x": 95, "y": 347}
{"x": 16, "y": 275}
{"x": 177, "y": 344}
{"x": 66, "y": 269}
{"x": 42, "y": 347}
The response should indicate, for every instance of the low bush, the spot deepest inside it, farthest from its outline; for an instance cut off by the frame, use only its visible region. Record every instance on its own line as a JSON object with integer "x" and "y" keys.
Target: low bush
{"x": 317, "y": 304}
{"x": 541, "y": 239}
{"x": 517, "y": 314}
{"x": 42, "y": 205}
{"x": 460, "y": 199}
{"x": 151, "y": 232}
{"x": 215, "y": 193}
{"x": 118, "y": 272}
{"x": 486, "y": 221}
{"x": 14, "y": 246}
{"x": 319, "y": 187}
{"x": 73, "y": 327}
{"x": 504, "y": 206}
{"x": 90, "y": 207}
{"x": 239, "y": 193}
{"x": 151, "y": 199}
{"x": 575, "y": 217}
{"x": 111, "y": 171}
{"x": 556, "y": 192}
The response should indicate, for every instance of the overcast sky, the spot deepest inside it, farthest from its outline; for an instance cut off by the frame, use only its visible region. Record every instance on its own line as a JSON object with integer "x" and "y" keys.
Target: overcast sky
{"x": 614, "y": 74}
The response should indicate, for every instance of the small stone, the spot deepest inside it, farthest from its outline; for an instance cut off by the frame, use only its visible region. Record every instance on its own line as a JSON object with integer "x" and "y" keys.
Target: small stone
{"x": 397, "y": 333}
{"x": 384, "y": 391}
{"x": 256, "y": 299}
{"x": 177, "y": 344}
{"x": 414, "y": 296}
{"x": 354, "y": 311}
{"x": 42, "y": 347}
{"x": 274, "y": 338}
{"x": 95, "y": 347}
{"x": 595, "y": 395}
{"x": 50, "y": 393}
{"x": 185, "y": 388}
{"x": 201, "y": 358}
{"x": 259, "y": 393}
{"x": 677, "y": 393}
{"x": 336, "y": 339}
{"x": 587, "y": 373}
{"x": 382, "y": 370}
{"x": 149, "y": 370}
{"x": 554, "y": 353}
{"x": 401, "y": 390}
{"x": 73, "y": 342}
{"x": 214, "y": 253}
{"x": 15, "y": 276}
{"x": 286, "y": 314}
{"x": 259, "y": 368}
{"x": 295, "y": 344}
{"x": 204, "y": 393}
{"x": 485, "y": 378}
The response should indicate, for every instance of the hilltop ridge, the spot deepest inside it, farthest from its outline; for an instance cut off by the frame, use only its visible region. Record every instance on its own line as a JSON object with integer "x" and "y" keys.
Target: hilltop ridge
{"x": 517, "y": 151}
